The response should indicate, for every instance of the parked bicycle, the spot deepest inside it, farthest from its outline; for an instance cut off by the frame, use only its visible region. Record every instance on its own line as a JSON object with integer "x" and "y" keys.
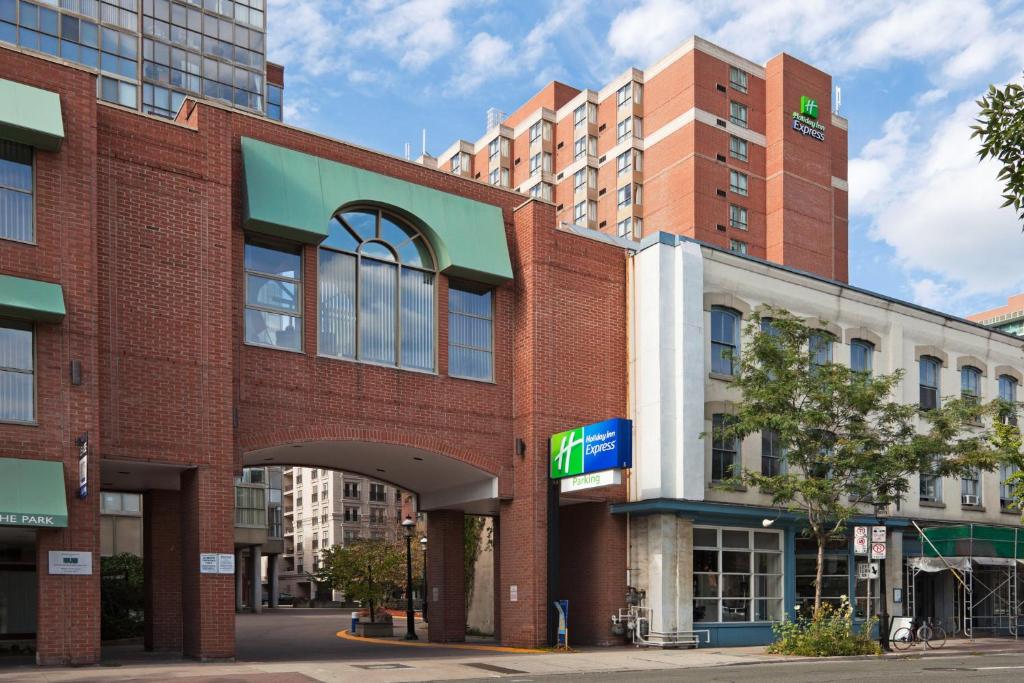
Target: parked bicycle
{"x": 932, "y": 635}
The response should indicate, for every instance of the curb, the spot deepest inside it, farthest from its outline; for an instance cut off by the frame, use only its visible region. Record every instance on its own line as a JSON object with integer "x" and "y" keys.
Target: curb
{"x": 346, "y": 635}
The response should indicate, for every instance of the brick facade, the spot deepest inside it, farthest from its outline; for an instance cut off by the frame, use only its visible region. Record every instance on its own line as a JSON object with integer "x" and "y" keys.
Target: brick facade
{"x": 139, "y": 219}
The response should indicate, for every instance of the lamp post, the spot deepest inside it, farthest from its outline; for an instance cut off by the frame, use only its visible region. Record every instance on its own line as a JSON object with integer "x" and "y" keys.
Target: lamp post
{"x": 410, "y": 615}
{"x": 423, "y": 544}
{"x": 883, "y": 616}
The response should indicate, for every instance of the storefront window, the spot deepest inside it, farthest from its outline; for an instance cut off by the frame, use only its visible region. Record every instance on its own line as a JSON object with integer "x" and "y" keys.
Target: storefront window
{"x": 737, "y": 575}
{"x": 835, "y": 577}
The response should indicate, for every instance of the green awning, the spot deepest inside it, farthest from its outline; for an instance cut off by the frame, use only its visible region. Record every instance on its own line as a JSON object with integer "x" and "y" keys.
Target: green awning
{"x": 977, "y": 540}
{"x": 31, "y": 299}
{"x": 293, "y": 195}
{"x": 30, "y": 116}
{"x": 32, "y": 493}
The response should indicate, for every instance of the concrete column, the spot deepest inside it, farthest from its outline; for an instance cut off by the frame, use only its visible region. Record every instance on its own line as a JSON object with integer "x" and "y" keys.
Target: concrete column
{"x": 239, "y": 579}
{"x": 161, "y": 558}
{"x": 670, "y": 573}
{"x": 446, "y": 576}
{"x": 273, "y": 589}
{"x": 894, "y": 572}
{"x": 256, "y": 586}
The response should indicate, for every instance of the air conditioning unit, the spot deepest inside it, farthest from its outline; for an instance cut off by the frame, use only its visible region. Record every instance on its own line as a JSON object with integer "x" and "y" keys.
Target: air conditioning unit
{"x": 970, "y": 500}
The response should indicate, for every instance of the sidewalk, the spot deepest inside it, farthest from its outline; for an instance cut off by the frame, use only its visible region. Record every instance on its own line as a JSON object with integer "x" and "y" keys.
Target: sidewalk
{"x": 473, "y": 665}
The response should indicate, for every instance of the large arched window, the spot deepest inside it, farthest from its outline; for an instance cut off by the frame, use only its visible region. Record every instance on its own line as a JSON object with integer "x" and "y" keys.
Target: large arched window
{"x": 377, "y": 279}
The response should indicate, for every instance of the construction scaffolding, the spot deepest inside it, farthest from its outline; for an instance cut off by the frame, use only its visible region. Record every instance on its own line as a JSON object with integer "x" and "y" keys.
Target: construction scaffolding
{"x": 986, "y": 565}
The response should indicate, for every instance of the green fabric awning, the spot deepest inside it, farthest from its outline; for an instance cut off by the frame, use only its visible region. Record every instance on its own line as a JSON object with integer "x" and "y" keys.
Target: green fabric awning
{"x": 293, "y": 195}
{"x": 32, "y": 493}
{"x": 30, "y": 116}
{"x": 31, "y": 299}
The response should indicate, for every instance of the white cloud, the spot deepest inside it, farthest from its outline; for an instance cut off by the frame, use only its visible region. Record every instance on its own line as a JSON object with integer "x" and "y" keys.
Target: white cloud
{"x": 302, "y": 37}
{"x": 486, "y": 56}
{"x": 417, "y": 32}
{"x": 871, "y": 174}
{"x": 931, "y": 97}
{"x": 653, "y": 28}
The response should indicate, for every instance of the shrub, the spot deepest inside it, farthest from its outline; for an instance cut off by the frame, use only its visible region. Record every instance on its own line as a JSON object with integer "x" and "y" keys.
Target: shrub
{"x": 121, "y": 597}
{"x": 830, "y": 633}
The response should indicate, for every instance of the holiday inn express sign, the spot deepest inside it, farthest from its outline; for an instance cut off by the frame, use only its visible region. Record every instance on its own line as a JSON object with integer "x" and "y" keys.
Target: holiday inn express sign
{"x": 601, "y": 446}
{"x": 805, "y": 121}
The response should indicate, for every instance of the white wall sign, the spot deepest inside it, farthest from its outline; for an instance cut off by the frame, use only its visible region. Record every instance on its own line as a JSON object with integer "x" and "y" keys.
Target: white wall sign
{"x": 225, "y": 563}
{"x": 208, "y": 563}
{"x": 70, "y": 562}
{"x": 513, "y": 593}
{"x": 592, "y": 480}
{"x": 878, "y": 534}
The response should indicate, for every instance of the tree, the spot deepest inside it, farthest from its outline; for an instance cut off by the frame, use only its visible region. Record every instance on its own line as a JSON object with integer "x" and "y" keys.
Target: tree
{"x": 847, "y": 442}
{"x": 367, "y": 570}
{"x": 1001, "y": 130}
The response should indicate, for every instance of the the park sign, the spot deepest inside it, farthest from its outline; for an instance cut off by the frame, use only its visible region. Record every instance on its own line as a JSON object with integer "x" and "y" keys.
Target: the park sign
{"x": 601, "y": 446}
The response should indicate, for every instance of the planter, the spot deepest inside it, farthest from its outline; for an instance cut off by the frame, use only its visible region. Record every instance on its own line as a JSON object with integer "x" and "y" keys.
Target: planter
{"x": 375, "y": 630}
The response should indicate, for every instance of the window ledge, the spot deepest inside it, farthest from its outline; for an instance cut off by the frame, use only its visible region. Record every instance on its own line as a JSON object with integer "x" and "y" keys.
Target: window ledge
{"x": 973, "y": 508}
{"x": 386, "y": 366}
{"x": 931, "y": 504}
{"x": 472, "y": 379}
{"x": 274, "y": 348}
{"x": 722, "y": 376}
{"x": 1009, "y": 510}
{"x": 720, "y": 486}
{"x": 20, "y": 423}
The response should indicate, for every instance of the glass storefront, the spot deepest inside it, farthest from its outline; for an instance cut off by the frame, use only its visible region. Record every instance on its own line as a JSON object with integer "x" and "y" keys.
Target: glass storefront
{"x": 737, "y": 575}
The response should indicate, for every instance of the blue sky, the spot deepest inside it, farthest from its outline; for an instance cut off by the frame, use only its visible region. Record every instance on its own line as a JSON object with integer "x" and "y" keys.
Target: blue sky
{"x": 925, "y": 223}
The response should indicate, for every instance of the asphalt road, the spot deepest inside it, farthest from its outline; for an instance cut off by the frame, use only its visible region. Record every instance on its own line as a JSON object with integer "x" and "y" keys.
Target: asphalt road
{"x": 927, "y": 670}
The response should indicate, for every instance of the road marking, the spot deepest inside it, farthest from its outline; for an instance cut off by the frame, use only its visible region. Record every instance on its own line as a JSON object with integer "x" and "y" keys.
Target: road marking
{"x": 996, "y": 668}
{"x": 345, "y": 635}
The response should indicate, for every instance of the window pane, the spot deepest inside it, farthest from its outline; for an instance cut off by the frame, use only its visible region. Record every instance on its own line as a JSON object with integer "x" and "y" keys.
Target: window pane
{"x": 339, "y": 237}
{"x": 273, "y": 329}
{"x": 735, "y": 539}
{"x": 767, "y": 563}
{"x": 735, "y": 610}
{"x": 766, "y": 541}
{"x": 15, "y": 215}
{"x": 16, "y": 348}
{"x": 272, "y": 261}
{"x": 705, "y": 610}
{"x": 736, "y": 562}
{"x": 337, "y": 304}
{"x": 417, "y": 323}
{"x": 377, "y": 309}
{"x": 363, "y": 222}
{"x": 704, "y": 560}
{"x": 705, "y": 585}
{"x": 261, "y": 291}
{"x": 16, "y": 396}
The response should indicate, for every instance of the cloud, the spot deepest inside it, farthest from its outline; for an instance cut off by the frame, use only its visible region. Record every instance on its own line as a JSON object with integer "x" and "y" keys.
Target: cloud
{"x": 931, "y": 97}
{"x": 647, "y": 32}
{"x": 486, "y": 56}
{"x": 871, "y": 174}
{"x": 417, "y": 32}
{"x": 301, "y": 36}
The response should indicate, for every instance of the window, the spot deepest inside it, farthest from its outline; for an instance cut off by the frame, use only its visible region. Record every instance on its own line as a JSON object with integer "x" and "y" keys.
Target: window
{"x": 536, "y": 130}
{"x": 592, "y": 145}
{"x": 623, "y": 162}
{"x": 738, "y": 182}
{"x": 579, "y": 211}
{"x": 624, "y": 128}
{"x": 861, "y": 355}
{"x": 737, "y": 217}
{"x": 725, "y": 340}
{"x": 16, "y": 186}
{"x": 493, "y": 147}
{"x": 625, "y": 196}
{"x": 624, "y": 94}
{"x": 930, "y": 484}
{"x": 737, "y": 575}
{"x": 928, "y": 368}
{"x": 117, "y": 91}
{"x": 351, "y": 514}
{"x": 377, "y": 494}
{"x": 535, "y": 163}
{"x": 273, "y": 296}
{"x": 970, "y": 384}
{"x": 738, "y": 148}
{"x": 377, "y": 291}
{"x": 738, "y": 247}
{"x": 579, "y": 115}
{"x": 579, "y": 179}
{"x": 457, "y": 163}
{"x": 351, "y": 489}
{"x": 835, "y": 573}
{"x": 771, "y": 453}
{"x": 738, "y": 114}
{"x": 970, "y": 488}
{"x": 275, "y": 101}
{"x": 495, "y": 176}
{"x": 820, "y": 347}
{"x": 377, "y": 515}
{"x": 738, "y": 79}
{"x": 725, "y": 452}
{"x": 1008, "y": 393}
{"x": 580, "y": 148}
{"x": 1006, "y": 471}
{"x": 470, "y": 332}
{"x": 351, "y": 535}
{"x": 120, "y": 503}
{"x": 624, "y": 228}
{"x": 542, "y": 190}
{"x": 547, "y": 158}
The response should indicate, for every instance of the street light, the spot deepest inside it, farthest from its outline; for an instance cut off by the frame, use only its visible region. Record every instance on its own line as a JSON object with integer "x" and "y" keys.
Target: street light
{"x": 410, "y": 616}
{"x": 423, "y": 544}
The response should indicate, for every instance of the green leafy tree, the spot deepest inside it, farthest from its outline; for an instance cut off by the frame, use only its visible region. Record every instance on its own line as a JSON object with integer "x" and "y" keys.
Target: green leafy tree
{"x": 368, "y": 570}
{"x": 848, "y": 444}
{"x": 1001, "y": 130}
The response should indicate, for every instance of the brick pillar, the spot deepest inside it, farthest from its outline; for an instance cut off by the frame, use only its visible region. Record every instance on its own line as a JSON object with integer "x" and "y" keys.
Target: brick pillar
{"x": 446, "y": 576}
{"x": 161, "y": 537}
{"x": 207, "y": 526}
{"x": 496, "y": 540}
{"x": 68, "y": 607}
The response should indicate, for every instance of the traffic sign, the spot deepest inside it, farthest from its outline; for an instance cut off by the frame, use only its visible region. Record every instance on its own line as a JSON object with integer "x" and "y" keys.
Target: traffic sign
{"x": 877, "y": 551}
{"x": 860, "y": 540}
{"x": 878, "y": 534}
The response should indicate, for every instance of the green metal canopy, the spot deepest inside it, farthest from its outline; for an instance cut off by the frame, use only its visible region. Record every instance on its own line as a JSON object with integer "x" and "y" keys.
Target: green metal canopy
{"x": 32, "y": 493}
{"x": 30, "y": 116}
{"x": 293, "y": 195}
{"x": 31, "y": 299}
{"x": 977, "y": 540}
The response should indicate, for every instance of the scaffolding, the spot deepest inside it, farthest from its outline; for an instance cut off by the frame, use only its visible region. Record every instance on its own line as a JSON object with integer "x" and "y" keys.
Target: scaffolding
{"x": 986, "y": 563}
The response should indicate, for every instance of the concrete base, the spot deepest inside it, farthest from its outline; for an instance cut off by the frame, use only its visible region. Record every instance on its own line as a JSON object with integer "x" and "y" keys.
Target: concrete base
{"x": 375, "y": 630}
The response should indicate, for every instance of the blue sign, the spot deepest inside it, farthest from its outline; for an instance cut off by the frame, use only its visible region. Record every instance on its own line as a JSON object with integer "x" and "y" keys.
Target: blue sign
{"x": 563, "y": 622}
{"x": 601, "y": 446}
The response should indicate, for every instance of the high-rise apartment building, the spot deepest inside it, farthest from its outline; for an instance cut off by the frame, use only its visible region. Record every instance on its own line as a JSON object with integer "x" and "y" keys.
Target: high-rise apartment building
{"x": 151, "y": 54}
{"x": 703, "y": 143}
{"x": 323, "y": 508}
{"x": 1008, "y": 318}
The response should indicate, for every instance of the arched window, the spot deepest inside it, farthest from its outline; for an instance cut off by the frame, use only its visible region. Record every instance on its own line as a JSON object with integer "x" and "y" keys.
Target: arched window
{"x": 377, "y": 279}
{"x": 1008, "y": 393}
{"x": 725, "y": 340}
{"x": 928, "y": 368}
{"x": 970, "y": 383}
{"x": 861, "y": 351}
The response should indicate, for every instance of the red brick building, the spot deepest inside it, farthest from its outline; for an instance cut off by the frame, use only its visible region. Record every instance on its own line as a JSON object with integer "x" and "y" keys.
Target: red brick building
{"x": 190, "y": 296}
{"x": 700, "y": 144}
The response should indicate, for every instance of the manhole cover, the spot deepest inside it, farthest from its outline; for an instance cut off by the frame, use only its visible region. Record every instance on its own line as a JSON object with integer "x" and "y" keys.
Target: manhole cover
{"x": 382, "y": 666}
{"x": 492, "y": 667}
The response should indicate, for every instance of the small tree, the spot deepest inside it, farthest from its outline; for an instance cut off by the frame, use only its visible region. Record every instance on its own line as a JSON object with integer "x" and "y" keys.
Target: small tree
{"x": 847, "y": 443}
{"x": 1001, "y": 130}
{"x": 368, "y": 570}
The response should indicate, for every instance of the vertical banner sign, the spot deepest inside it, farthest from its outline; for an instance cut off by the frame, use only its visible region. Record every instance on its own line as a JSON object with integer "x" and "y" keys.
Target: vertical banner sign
{"x": 601, "y": 446}
{"x": 83, "y": 465}
{"x": 563, "y": 623}
{"x": 860, "y": 540}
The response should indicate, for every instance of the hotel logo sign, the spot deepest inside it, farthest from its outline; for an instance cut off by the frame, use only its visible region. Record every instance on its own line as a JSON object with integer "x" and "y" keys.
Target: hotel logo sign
{"x": 601, "y": 446}
{"x": 805, "y": 121}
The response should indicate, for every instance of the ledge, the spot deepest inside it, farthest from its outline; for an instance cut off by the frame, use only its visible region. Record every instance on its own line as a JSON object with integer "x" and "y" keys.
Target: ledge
{"x": 931, "y": 504}
{"x": 973, "y": 508}
{"x": 721, "y": 376}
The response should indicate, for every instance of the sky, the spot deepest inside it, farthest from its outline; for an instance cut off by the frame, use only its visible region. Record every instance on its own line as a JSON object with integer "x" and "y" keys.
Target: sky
{"x": 925, "y": 219}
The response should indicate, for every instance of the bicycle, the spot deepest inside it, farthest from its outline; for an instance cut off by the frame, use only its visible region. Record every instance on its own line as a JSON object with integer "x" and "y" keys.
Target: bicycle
{"x": 932, "y": 635}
